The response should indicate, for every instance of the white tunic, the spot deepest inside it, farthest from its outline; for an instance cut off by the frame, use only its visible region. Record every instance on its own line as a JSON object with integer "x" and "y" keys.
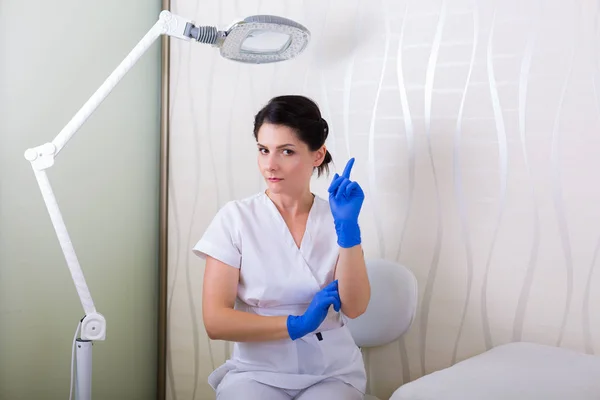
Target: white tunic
{"x": 278, "y": 278}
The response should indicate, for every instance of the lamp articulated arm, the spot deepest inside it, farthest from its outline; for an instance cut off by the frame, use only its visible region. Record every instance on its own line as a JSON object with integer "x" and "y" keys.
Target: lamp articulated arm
{"x": 93, "y": 324}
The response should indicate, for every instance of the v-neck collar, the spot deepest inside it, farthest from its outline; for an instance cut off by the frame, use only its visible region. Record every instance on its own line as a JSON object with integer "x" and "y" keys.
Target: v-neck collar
{"x": 283, "y": 228}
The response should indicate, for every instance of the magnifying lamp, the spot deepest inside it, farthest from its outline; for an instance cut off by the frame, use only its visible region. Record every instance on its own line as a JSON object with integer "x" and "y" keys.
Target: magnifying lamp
{"x": 257, "y": 39}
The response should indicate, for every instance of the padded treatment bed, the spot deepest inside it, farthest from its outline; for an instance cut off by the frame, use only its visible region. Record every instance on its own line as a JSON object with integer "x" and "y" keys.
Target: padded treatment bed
{"x": 514, "y": 371}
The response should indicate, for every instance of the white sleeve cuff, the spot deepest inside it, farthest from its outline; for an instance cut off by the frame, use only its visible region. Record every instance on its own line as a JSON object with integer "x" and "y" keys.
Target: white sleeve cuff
{"x": 204, "y": 248}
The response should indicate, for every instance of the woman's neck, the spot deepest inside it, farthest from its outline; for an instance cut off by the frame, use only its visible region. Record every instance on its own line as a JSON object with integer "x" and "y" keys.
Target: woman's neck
{"x": 292, "y": 205}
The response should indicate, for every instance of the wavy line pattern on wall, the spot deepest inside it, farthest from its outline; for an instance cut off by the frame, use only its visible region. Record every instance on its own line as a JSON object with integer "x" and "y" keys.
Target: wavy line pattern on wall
{"x": 474, "y": 135}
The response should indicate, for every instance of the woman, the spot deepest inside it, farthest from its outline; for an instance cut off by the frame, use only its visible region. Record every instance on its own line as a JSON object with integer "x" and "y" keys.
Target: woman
{"x": 282, "y": 264}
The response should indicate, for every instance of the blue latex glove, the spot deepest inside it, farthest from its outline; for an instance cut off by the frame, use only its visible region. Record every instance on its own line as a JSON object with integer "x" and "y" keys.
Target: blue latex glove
{"x": 345, "y": 200}
{"x": 300, "y": 325}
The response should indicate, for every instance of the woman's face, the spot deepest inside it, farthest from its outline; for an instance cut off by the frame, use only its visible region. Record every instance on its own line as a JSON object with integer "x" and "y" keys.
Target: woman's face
{"x": 285, "y": 162}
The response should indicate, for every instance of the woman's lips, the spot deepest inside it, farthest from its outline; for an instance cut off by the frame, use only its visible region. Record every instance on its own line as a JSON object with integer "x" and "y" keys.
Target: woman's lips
{"x": 274, "y": 179}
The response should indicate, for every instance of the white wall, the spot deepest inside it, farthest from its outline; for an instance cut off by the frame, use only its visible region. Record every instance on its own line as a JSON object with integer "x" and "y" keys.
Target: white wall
{"x": 475, "y": 127}
{"x": 53, "y": 56}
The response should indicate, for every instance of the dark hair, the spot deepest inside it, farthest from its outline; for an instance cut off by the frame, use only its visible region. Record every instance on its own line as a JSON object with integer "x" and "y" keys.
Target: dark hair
{"x": 302, "y": 115}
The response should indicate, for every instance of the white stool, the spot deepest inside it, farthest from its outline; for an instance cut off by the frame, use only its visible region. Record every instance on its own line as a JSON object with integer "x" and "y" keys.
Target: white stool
{"x": 392, "y": 308}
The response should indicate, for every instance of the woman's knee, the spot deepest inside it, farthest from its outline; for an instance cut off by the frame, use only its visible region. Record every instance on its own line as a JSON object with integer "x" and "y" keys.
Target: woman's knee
{"x": 331, "y": 389}
{"x": 251, "y": 390}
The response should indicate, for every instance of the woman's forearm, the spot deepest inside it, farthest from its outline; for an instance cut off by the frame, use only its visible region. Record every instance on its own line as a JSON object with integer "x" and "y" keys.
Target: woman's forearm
{"x": 240, "y": 326}
{"x": 353, "y": 281}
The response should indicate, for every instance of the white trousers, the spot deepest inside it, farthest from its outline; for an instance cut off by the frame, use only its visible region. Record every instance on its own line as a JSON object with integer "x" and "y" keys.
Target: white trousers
{"x": 249, "y": 389}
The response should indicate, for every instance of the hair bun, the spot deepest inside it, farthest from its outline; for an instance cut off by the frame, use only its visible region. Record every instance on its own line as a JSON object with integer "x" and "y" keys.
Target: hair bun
{"x": 325, "y": 129}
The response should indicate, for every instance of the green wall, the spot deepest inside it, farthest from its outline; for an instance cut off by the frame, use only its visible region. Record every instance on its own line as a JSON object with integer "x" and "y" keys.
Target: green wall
{"x": 53, "y": 56}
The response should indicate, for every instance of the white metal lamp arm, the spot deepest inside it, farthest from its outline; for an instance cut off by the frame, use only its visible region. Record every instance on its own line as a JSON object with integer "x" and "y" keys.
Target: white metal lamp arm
{"x": 93, "y": 325}
{"x": 42, "y": 157}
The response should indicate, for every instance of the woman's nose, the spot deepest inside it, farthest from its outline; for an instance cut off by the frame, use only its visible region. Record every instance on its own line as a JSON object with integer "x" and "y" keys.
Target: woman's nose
{"x": 271, "y": 163}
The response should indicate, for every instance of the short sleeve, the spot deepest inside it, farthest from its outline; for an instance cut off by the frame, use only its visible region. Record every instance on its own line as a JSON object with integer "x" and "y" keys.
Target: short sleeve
{"x": 221, "y": 238}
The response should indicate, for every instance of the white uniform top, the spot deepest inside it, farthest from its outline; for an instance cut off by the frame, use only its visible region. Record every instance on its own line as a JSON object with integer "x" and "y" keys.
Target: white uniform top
{"x": 278, "y": 278}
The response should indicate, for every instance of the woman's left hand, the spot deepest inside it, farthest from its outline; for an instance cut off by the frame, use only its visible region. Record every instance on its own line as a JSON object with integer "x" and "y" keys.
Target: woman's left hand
{"x": 345, "y": 200}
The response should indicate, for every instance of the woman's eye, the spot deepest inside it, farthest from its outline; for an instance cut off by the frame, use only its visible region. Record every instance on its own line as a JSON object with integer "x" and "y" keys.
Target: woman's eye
{"x": 263, "y": 151}
{"x": 288, "y": 152}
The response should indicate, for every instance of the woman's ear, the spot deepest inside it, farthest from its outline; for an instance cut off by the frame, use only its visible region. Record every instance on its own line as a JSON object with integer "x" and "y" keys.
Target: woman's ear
{"x": 319, "y": 156}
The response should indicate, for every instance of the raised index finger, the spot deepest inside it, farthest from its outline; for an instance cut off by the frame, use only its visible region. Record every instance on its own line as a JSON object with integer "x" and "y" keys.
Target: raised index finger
{"x": 346, "y": 173}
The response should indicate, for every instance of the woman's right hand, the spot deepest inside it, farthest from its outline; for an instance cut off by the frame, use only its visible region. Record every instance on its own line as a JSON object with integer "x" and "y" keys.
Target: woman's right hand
{"x": 300, "y": 325}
